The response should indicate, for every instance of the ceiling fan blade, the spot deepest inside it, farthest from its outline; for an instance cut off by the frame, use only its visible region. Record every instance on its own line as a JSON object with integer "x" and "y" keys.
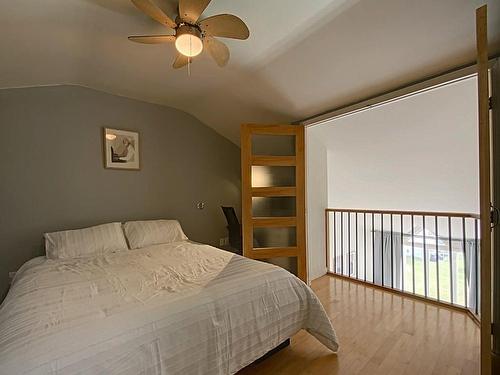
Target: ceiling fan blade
{"x": 152, "y": 39}
{"x": 226, "y": 26}
{"x": 180, "y": 61}
{"x": 150, "y": 9}
{"x": 217, "y": 50}
{"x": 191, "y": 10}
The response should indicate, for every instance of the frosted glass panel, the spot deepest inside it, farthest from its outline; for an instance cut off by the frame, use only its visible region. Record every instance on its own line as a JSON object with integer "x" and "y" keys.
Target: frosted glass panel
{"x": 277, "y": 145}
{"x": 273, "y": 206}
{"x": 263, "y": 176}
{"x": 290, "y": 264}
{"x": 275, "y": 237}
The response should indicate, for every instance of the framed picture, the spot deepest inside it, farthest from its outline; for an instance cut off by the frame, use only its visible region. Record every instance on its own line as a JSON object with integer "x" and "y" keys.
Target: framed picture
{"x": 121, "y": 149}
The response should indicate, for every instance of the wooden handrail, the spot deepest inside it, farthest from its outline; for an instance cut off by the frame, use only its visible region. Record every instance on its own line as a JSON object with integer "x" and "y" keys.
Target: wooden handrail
{"x": 352, "y": 271}
{"x": 405, "y": 213}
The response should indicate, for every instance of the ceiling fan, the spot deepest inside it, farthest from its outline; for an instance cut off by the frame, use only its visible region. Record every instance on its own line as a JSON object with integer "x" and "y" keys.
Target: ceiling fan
{"x": 192, "y": 36}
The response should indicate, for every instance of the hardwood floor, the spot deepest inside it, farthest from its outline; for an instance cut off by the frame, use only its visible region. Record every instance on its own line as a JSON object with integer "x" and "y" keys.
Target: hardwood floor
{"x": 380, "y": 333}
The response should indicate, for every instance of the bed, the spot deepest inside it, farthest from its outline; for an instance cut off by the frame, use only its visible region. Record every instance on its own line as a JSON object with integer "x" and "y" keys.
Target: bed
{"x": 177, "y": 308}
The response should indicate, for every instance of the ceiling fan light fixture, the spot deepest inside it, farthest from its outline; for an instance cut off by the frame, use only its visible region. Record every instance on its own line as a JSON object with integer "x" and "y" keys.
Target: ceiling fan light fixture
{"x": 193, "y": 35}
{"x": 188, "y": 41}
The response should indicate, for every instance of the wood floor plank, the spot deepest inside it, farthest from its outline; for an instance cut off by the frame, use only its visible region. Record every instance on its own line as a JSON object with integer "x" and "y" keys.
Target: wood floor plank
{"x": 380, "y": 333}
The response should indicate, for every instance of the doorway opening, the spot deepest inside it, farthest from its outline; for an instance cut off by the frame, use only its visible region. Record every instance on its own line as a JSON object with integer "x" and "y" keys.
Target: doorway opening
{"x": 393, "y": 194}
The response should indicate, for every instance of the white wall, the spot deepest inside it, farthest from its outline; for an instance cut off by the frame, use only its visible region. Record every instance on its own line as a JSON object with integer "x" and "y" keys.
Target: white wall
{"x": 419, "y": 153}
{"x": 317, "y": 200}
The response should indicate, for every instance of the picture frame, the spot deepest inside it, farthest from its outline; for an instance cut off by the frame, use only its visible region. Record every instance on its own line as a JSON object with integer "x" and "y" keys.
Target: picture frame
{"x": 121, "y": 149}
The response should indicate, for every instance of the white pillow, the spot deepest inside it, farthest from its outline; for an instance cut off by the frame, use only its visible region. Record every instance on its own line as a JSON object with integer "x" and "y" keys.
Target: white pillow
{"x": 87, "y": 242}
{"x": 154, "y": 232}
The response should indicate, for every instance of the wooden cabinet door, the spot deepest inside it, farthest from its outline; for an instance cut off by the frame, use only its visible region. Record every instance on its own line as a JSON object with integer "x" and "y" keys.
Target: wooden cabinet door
{"x": 273, "y": 194}
{"x": 484, "y": 187}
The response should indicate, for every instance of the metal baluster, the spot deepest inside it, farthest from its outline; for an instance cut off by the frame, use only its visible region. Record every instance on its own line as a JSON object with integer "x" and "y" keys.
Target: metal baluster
{"x": 382, "y": 245}
{"x": 392, "y": 259}
{"x": 334, "y": 242}
{"x": 425, "y": 259}
{"x": 413, "y": 252}
{"x": 364, "y": 240}
{"x": 341, "y": 243}
{"x": 402, "y": 257}
{"x": 437, "y": 256}
{"x": 349, "y": 244}
{"x": 327, "y": 240}
{"x": 373, "y": 249}
{"x": 464, "y": 238}
{"x": 476, "y": 265}
{"x": 356, "y": 231}
{"x": 450, "y": 256}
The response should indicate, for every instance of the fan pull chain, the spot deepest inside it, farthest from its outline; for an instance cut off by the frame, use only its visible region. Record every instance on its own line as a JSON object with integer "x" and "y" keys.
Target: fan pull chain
{"x": 191, "y": 54}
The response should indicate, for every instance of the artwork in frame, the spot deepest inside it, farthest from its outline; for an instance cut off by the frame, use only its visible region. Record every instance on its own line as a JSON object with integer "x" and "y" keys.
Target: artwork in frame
{"x": 121, "y": 149}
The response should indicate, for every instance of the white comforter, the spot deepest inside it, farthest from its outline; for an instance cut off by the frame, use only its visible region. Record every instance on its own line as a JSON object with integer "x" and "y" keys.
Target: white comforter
{"x": 181, "y": 308}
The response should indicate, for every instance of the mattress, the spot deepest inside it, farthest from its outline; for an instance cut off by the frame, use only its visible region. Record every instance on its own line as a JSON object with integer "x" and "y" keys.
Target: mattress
{"x": 179, "y": 308}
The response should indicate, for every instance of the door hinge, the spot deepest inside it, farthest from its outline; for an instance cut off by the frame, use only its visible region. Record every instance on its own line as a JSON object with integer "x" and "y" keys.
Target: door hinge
{"x": 490, "y": 102}
{"x": 494, "y": 216}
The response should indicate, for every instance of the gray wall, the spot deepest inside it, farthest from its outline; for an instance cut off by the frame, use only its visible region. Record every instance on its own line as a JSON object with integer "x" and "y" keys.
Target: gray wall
{"x": 52, "y": 175}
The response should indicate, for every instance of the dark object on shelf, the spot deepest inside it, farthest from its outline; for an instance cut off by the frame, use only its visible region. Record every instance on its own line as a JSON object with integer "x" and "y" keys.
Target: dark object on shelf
{"x": 234, "y": 228}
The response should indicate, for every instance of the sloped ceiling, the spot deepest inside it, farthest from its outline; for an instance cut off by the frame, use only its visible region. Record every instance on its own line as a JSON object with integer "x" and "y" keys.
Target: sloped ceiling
{"x": 303, "y": 57}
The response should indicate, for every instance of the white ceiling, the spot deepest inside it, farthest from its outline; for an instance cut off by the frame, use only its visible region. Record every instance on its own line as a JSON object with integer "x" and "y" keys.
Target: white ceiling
{"x": 303, "y": 57}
